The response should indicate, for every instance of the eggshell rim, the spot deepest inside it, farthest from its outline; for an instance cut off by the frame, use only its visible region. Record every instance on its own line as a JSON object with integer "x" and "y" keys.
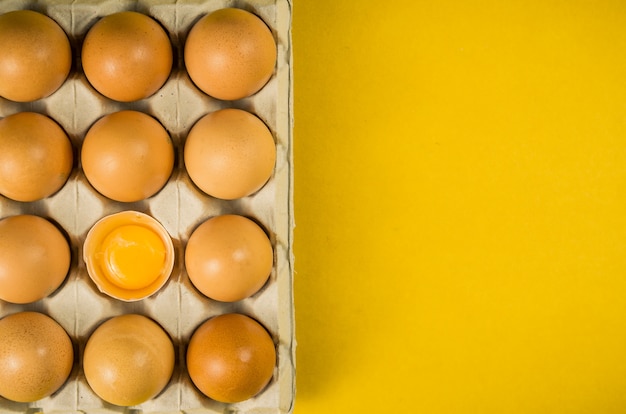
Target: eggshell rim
{"x": 103, "y": 228}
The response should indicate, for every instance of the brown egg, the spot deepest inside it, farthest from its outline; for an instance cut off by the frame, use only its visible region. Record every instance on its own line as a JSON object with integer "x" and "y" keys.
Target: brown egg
{"x": 36, "y": 56}
{"x": 228, "y": 258}
{"x": 127, "y": 156}
{"x": 230, "y": 153}
{"x": 231, "y": 358}
{"x": 128, "y": 360}
{"x": 230, "y": 54}
{"x": 36, "y": 356}
{"x": 127, "y": 56}
{"x": 34, "y": 258}
{"x": 36, "y": 157}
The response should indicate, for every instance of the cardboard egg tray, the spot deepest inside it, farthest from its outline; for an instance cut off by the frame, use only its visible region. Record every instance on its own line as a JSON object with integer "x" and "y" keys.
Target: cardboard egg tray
{"x": 178, "y": 307}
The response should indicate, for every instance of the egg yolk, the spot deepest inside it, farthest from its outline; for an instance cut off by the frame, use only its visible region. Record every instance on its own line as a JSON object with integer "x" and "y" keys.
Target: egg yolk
{"x": 133, "y": 256}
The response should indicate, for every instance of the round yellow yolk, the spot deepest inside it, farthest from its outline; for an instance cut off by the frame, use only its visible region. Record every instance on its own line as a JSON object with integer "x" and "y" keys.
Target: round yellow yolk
{"x": 133, "y": 256}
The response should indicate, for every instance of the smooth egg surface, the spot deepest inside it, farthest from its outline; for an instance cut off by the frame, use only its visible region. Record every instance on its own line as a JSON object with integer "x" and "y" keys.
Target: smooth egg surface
{"x": 228, "y": 258}
{"x": 34, "y": 258}
{"x": 36, "y": 56}
{"x": 127, "y": 156}
{"x": 36, "y": 157}
{"x": 231, "y": 358}
{"x": 128, "y": 360}
{"x": 230, "y": 153}
{"x": 127, "y": 56}
{"x": 230, "y": 54}
{"x": 36, "y": 356}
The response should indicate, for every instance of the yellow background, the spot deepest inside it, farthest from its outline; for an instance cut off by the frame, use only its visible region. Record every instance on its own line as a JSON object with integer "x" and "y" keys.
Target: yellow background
{"x": 460, "y": 195}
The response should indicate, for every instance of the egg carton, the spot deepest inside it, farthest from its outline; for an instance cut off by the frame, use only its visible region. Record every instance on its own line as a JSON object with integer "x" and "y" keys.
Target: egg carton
{"x": 180, "y": 206}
